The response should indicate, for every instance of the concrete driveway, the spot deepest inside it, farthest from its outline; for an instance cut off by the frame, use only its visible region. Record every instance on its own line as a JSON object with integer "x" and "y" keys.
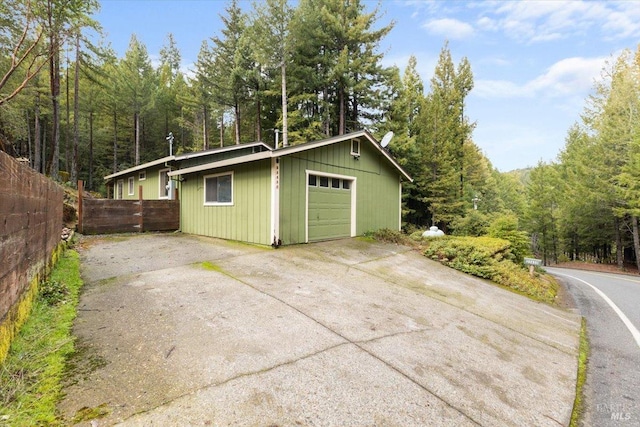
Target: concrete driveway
{"x": 185, "y": 330}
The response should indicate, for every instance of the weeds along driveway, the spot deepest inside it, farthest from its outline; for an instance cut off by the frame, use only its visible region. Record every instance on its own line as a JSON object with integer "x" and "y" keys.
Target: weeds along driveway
{"x": 184, "y": 330}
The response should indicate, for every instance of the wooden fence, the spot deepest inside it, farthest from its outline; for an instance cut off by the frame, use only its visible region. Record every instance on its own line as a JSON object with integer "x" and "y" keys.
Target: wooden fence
{"x": 105, "y": 216}
{"x": 30, "y": 227}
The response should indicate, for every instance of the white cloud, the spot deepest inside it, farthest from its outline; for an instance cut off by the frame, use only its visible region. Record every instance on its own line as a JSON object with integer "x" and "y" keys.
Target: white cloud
{"x": 532, "y": 21}
{"x": 543, "y": 21}
{"x": 566, "y": 78}
{"x": 487, "y": 24}
{"x": 624, "y": 22}
{"x": 449, "y": 28}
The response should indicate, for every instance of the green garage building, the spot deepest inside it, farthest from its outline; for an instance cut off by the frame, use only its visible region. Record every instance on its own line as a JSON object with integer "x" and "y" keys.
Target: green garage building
{"x": 338, "y": 187}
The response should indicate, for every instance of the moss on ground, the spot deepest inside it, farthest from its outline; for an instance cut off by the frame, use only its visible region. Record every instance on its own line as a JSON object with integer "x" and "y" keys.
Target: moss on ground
{"x": 583, "y": 357}
{"x": 31, "y": 376}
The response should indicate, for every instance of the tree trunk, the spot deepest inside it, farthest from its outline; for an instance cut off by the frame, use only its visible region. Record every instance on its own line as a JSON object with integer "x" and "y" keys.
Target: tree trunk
{"x": 222, "y": 130}
{"x": 354, "y": 113}
{"x": 341, "y": 122}
{"x": 136, "y": 118}
{"x": 54, "y": 85}
{"x": 258, "y": 108}
{"x": 29, "y": 140}
{"x": 37, "y": 143}
{"x": 636, "y": 240}
{"x": 205, "y": 128}
{"x": 67, "y": 140}
{"x": 91, "y": 150}
{"x": 43, "y": 160}
{"x": 115, "y": 141}
{"x": 619, "y": 248}
{"x": 54, "y": 70}
{"x": 76, "y": 115}
{"x": 544, "y": 246}
{"x": 236, "y": 111}
{"x": 326, "y": 113}
{"x": 285, "y": 133}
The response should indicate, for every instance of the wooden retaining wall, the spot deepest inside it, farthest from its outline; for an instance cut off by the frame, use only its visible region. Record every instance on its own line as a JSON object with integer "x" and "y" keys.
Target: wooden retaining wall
{"x": 30, "y": 227}
{"x": 105, "y": 216}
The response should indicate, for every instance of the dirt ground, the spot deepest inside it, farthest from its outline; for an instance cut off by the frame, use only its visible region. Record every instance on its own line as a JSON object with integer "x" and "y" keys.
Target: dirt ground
{"x": 604, "y": 268}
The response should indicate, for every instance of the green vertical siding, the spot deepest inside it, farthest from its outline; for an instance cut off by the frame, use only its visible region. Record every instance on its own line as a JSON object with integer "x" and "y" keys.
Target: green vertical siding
{"x": 150, "y": 185}
{"x": 377, "y": 187}
{"x": 247, "y": 220}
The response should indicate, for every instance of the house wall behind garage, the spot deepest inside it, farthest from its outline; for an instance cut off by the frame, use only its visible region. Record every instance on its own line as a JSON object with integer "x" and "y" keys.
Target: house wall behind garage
{"x": 377, "y": 192}
{"x": 247, "y": 220}
{"x": 150, "y": 185}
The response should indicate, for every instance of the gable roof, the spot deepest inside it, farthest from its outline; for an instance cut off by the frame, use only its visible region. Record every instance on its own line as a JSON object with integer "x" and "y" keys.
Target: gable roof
{"x": 186, "y": 156}
{"x": 271, "y": 153}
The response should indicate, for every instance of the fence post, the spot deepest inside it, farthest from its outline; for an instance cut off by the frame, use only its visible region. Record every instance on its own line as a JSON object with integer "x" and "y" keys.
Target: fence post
{"x": 80, "y": 195}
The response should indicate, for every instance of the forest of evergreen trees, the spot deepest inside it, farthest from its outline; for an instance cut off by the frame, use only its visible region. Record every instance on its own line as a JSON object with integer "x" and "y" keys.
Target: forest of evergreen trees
{"x": 76, "y": 110}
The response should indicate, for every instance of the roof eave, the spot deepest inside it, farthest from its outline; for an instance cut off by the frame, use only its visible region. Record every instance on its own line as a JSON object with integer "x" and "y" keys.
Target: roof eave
{"x": 222, "y": 163}
{"x": 140, "y": 167}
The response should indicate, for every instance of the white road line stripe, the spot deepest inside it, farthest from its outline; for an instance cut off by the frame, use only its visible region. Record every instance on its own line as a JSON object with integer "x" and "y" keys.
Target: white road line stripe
{"x": 634, "y": 331}
{"x": 617, "y": 277}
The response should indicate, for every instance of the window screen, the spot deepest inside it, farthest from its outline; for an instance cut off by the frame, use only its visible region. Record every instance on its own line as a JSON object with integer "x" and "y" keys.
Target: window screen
{"x": 218, "y": 189}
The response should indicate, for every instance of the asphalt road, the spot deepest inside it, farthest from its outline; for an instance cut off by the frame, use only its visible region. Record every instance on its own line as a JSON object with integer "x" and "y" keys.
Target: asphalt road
{"x": 611, "y": 305}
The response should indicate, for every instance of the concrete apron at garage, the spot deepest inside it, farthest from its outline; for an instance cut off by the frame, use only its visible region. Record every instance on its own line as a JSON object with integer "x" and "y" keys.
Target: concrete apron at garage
{"x": 342, "y": 333}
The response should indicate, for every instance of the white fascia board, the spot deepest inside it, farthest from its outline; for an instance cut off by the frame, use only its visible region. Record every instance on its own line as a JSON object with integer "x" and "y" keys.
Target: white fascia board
{"x": 140, "y": 167}
{"x": 292, "y": 149}
{"x": 387, "y": 155}
{"x": 222, "y": 163}
{"x": 186, "y": 156}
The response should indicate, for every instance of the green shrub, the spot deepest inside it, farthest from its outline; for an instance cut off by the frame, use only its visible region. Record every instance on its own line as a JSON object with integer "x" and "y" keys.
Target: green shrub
{"x": 490, "y": 258}
{"x": 474, "y": 223}
{"x": 387, "y": 235}
{"x": 506, "y": 227}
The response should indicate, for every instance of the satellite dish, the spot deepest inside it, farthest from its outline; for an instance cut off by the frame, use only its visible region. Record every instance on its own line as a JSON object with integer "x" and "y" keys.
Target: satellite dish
{"x": 386, "y": 139}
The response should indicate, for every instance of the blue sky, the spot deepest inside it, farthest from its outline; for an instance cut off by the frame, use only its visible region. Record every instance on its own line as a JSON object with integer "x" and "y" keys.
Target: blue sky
{"x": 534, "y": 62}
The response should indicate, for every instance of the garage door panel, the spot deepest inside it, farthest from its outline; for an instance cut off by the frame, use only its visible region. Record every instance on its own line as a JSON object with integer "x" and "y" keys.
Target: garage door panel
{"x": 329, "y": 213}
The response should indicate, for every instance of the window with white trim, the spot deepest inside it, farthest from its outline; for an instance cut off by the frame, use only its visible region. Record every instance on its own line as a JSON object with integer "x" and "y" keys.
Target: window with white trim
{"x": 131, "y": 185}
{"x": 355, "y": 147}
{"x": 163, "y": 191}
{"x": 119, "y": 189}
{"x": 218, "y": 189}
{"x": 142, "y": 175}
